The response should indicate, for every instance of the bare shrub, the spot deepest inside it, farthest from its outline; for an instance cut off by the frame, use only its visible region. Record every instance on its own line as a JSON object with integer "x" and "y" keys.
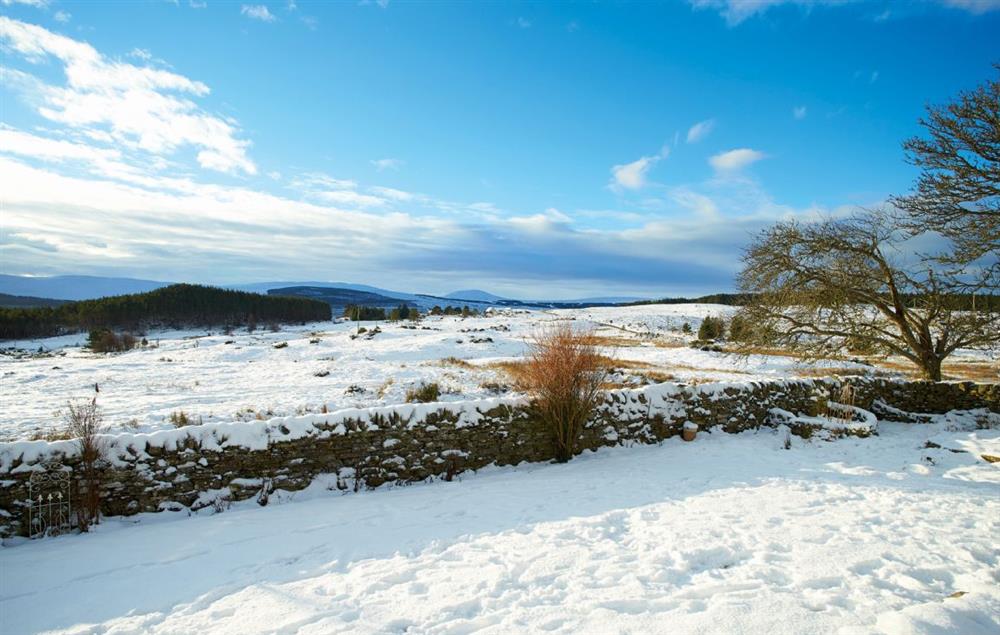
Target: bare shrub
{"x": 181, "y": 419}
{"x": 107, "y": 341}
{"x": 564, "y": 373}
{"x": 85, "y": 424}
{"x": 424, "y": 393}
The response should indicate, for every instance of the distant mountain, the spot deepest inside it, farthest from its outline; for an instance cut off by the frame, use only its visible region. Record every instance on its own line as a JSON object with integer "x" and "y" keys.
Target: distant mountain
{"x": 92, "y": 287}
{"x": 476, "y": 295}
{"x": 74, "y": 287}
{"x": 27, "y": 302}
{"x": 264, "y": 287}
{"x": 339, "y": 298}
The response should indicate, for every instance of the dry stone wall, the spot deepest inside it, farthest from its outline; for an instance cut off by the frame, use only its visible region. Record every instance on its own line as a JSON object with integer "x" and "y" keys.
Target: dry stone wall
{"x": 196, "y": 466}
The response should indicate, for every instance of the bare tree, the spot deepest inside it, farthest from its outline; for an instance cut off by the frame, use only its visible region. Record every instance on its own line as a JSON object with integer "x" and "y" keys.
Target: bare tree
{"x": 958, "y": 191}
{"x": 564, "y": 373}
{"x": 817, "y": 286}
{"x": 85, "y": 424}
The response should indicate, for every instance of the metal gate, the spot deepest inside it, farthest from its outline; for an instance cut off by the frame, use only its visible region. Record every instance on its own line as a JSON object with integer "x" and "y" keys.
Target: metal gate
{"x": 50, "y": 509}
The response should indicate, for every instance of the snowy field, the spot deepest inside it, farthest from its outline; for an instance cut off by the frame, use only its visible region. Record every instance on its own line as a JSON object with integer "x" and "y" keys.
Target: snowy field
{"x": 219, "y": 377}
{"x": 731, "y": 533}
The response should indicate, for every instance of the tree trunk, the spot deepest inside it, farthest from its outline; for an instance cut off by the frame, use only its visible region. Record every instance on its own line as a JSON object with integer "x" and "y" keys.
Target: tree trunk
{"x": 930, "y": 366}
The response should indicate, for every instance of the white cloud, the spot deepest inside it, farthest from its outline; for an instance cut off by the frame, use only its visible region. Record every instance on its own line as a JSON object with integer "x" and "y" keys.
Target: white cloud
{"x": 142, "y": 108}
{"x": 737, "y": 11}
{"x": 312, "y": 181}
{"x": 632, "y": 176}
{"x": 141, "y": 54}
{"x": 387, "y": 164}
{"x": 974, "y": 6}
{"x": 31, "y": 3}
{"x": 14, "y": 141}
{"x": 734, "y": 160}
{"x": 257, "y": 12}
{"x": 799, "y": 112}
{"x": 392, "y": 193}
{"x": 350, "y": 198}
{"x": 700, "y": 130}
{"x": 62, "y": 16}
{"x": 523, "y": 23}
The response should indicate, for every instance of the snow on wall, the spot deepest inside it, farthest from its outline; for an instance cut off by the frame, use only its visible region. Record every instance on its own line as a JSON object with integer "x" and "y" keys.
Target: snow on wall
{"x": 361, "y": 448}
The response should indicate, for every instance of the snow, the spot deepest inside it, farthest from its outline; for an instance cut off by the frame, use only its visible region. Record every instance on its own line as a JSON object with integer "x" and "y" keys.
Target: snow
{"x": 729, "y": 532}
{"x": 243, "y": 377}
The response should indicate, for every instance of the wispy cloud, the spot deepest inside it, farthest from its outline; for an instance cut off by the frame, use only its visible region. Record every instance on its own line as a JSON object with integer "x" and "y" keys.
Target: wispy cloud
{"x": 141, "y": 108}
{"x": 523, "y": 22}
{"x": 700, "y": 130}
{"x": 387, "y": 164}
{"x": 62, "y": 16}
{"x": 974, "y": 6}
{"x": 799, "y": 112}
{"x": 31, "y": 3}
{"x": 735, "y": 160}
{"x": 257, "y": 12}
{"x": 737, "y": 11}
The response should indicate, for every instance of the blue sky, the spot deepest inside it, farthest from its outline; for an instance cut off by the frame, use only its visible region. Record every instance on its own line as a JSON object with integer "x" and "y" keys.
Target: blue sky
{"x": 531, "y": 149}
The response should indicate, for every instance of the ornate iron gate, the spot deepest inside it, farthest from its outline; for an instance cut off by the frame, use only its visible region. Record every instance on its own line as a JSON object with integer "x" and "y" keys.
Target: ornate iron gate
{"x": 50, "y": 508}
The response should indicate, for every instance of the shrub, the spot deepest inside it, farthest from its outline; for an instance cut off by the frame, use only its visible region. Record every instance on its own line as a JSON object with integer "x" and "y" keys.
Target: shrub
{"x": 180, "y": 419}
{"x": 686, "y": 328}
{"x": 739, "y": 329}
{"x": 85, "y": 423}
{"x": 424, "y": 393}
{"x": 564, "y": 373}
{"x": 107, "y": 341}
{"x": 712, "y": 328}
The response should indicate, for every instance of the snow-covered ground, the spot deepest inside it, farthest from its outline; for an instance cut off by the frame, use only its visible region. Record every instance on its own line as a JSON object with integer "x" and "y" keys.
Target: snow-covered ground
{"x": 222, "y": 377}
{"x": 731, "y": 533}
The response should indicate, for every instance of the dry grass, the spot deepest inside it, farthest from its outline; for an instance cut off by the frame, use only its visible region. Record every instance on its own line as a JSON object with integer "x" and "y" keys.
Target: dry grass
{"x": 384, "y": 388}
{"x": 50, "y": 435}
{"x": 984, "y": 372}
{"x": 658, "y": 376}
{"x": 454, "y": 361}
{"x": 615, "y": 341}
{"x": 839, "y": 371}
{"x": 662, "y": 342}
{"x": 513, "y": 369}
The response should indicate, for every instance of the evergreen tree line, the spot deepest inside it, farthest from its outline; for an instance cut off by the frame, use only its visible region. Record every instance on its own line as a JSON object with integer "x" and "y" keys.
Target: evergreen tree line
{"x": 402, "y": 312}
{"x": 178, "y": 305}
{"x": 373, "y": 313}
{"x": 464, "y": 311}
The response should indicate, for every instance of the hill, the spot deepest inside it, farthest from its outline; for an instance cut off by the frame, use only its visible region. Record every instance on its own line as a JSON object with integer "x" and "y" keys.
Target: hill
{"x": 74, "y": 287}
{"x": 27, "y": 301}
{"x": 176, "y": 306}
{"x": 475, "y": 295}
{"x": 339, "y": 298}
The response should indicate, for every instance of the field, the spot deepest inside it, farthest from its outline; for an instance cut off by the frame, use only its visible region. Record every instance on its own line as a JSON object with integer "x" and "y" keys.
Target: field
{"x": 218, "y": 377}
{"x": 860, "y": 536}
